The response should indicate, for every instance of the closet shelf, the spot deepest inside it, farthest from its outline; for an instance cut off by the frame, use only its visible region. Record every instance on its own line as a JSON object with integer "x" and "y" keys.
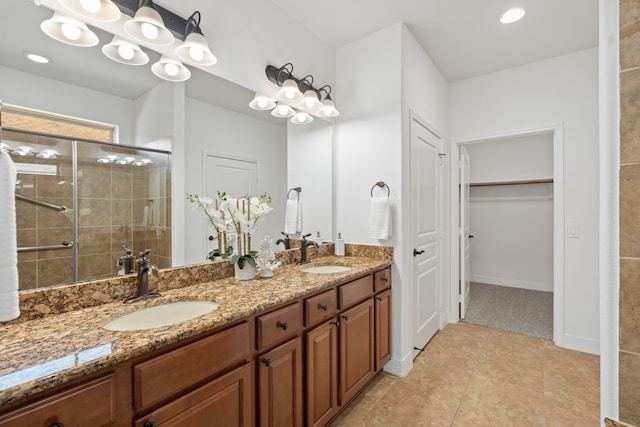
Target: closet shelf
{"x": 523, "y": 182}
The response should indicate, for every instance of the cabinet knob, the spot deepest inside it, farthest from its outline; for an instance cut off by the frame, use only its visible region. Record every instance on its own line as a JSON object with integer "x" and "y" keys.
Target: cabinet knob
{"x": 149, "y": 424}
{"x": 384, "y": 279}
{"x": 378, "y": 298}
{"x": 336, "y": 324}
{"x": 324, "y": 307}
{"x": 345, "y": 317}
{"x": 266, "y": 362}
{"x": 284, "y": 326}
{"x": 56, "y": 425}
{"x": 211, "y": 239}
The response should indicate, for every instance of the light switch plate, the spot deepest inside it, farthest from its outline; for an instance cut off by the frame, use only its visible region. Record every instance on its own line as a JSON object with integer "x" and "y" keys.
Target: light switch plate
{"x": 573, "y": 230}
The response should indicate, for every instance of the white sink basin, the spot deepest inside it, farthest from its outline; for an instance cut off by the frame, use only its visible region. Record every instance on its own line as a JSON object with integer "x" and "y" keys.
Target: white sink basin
{"x": 161, "y": 315}
{"x": 326, "y": 269}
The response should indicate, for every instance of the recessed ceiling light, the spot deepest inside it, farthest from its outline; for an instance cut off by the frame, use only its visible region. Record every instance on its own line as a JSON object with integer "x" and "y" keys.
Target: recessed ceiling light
{"x": 38, "y": 58}
{"x": 512, "y": 15}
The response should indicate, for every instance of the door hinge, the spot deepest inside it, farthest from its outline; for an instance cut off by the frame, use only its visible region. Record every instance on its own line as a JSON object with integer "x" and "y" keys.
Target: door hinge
{"x": 441, "y": 155}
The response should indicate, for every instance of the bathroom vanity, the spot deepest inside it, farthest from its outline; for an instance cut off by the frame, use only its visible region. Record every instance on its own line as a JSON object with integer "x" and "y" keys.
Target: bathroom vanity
{"x": 291, "y": 350}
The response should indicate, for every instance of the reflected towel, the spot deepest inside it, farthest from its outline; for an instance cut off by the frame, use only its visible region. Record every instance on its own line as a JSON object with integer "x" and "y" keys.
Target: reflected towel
{"x": 9, "y": 304}
{"x": 293, "y": 216}
{"x": 380, "y": 218}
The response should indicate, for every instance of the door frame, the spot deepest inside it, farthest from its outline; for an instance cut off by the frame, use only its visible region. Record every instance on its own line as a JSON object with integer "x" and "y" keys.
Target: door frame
{"x": 557, "y": 131}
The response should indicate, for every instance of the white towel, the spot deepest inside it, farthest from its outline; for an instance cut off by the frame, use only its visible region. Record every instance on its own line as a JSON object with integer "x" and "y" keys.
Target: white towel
{"x": 293, "y": 216}
{"x": 9, "y": 308}
{"x": 380, "y": 218}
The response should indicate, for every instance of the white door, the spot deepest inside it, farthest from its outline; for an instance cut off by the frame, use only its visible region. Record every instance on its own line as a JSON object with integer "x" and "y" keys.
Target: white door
{"x": 464, "y": 233}
{"x": 236, "y": 177}
{"x": 425, "y": 172}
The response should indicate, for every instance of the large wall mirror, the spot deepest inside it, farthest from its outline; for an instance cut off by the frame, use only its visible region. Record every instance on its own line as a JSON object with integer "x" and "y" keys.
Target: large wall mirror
{"x": 199, "y": 137}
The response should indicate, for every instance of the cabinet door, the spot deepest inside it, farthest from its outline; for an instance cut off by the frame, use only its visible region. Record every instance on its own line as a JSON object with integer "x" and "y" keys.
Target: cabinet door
{"x": 322, "y": 373}
{"x": 383, "y": 328}
{"x": 280, "y": 386}
{"x": 225, "y": 401}
{"x": 356, "y": 349}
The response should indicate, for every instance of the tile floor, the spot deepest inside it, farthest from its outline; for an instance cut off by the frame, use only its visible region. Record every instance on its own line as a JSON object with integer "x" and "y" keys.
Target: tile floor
{"x": 471, "y": 375}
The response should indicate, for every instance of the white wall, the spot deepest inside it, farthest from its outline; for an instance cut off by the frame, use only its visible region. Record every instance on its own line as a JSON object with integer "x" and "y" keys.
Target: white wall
{"x": 35, "y": 92}
{"x": 561, "y": 90}
{"x": 310, "y": 151}
{"x": 219, "y": 131}
{"x": 154, "y": 114}
{"x": 372, "y": 144}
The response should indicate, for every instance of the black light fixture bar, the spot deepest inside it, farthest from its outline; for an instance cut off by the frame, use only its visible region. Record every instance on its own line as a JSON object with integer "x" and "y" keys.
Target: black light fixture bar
{"x": 277, "y": 76}
{"x": 173, "y": 22}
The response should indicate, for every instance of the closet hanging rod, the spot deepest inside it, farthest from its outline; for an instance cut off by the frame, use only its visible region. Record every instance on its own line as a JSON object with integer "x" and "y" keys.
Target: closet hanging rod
{"x": 523, "y": 182}
{"x": 61, "y": 209}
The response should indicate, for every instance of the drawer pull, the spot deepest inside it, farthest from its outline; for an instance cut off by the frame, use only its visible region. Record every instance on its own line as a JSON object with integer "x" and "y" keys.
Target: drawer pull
{"x": 384, "y": 279}
{"x": 336, "y": 324}
{"x": 345, "y": 317}
{"x": 284, "y": 326}
{"x": 378, "y": 298}
{"x": 56, "y": 425}
{"x": 323, "y": 307}
{"x": 266, "y": 362}
{"x": 149, "y": 424}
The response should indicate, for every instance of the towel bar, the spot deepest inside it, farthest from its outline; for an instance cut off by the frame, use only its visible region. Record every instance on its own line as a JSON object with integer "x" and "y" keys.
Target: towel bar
{"x": 296, "y": 189}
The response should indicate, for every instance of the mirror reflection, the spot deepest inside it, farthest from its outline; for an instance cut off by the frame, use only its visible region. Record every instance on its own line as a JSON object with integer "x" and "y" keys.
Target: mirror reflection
{"x": 200, "y": 136}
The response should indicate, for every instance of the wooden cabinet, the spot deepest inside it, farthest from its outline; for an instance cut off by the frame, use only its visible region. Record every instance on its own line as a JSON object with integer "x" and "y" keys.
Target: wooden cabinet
{"x": 356, "y": 349}
{"x": 382, "y": 303}
{"x": 225, "y": 401}
{"x": 320, "y": 307}
{"x": 278, "y": 325}
{"x": 90, "y": 404}
{"x": 280, "y": 399}
{"x": 322, "y": 373}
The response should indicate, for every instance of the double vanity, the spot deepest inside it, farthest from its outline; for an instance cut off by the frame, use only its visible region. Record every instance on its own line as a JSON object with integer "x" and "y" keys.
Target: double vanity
{"x": 290, "y": 350}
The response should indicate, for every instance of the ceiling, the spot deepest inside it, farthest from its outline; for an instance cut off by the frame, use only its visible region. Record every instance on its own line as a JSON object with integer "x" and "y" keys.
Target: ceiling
{"x": 464, "y": 38}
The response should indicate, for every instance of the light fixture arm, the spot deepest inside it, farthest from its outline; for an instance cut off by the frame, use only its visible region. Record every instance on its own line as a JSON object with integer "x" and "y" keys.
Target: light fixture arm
{"x": 193, "y": 24}
{"x": 279, "y": 75}
{"x": 327, "y": 90}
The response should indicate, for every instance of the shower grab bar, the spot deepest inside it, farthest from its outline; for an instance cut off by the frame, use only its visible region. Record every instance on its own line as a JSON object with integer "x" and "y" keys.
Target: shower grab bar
{"x": 63, "y": 245}
{"x": 61, "y": 209}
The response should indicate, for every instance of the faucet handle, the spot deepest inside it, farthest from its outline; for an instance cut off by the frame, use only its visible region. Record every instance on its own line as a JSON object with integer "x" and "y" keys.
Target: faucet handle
{"x": 284, "y": 234}
{"x": 145, "y": 253}
{"x": 306, "y": 235}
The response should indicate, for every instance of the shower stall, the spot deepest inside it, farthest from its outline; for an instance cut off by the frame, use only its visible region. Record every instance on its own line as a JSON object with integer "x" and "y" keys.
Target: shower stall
{"x": 79, "y": 201}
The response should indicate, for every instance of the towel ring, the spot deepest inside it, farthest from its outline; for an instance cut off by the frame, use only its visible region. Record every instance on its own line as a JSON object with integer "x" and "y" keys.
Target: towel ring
{"x": 381, "y": 184}
{"x": 296, "y": 189}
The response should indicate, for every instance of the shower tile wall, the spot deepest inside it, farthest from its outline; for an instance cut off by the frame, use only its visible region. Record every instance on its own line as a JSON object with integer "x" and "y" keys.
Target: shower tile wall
{"x": 630, "y": 212}
{"x": 108, "y": 197}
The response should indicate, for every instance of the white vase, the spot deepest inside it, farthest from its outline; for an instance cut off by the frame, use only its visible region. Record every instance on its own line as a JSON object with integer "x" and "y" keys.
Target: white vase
{"x": 248, "y": 272}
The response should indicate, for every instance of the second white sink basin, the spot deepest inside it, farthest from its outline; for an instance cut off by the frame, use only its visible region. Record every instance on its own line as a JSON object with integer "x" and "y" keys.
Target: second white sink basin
{"x": 161, "y": 315}
{"x": 326, "y": 269}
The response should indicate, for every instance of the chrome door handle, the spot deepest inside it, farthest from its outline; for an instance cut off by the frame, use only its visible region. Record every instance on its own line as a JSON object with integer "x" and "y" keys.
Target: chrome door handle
{"x": 417, "y": 252}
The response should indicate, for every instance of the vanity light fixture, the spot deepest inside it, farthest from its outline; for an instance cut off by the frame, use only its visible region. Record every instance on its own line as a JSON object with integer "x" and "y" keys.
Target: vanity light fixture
{"x": 311, "y": 100}
{"x": 48, "y": 154}
{"x": 262, "y": 102}
{"x": 195, "y": 49}
{"x": 328, "y": 108}
{"x": 125, "y": 52}
{"x": 94, "y": 10}
{"x": 69, "y": 30}
{"x": 512, "y": 15}
{"x": 170, "y": 69}
{"x": 301, "y": 118}
{"x": 147, "y": 26}
{"x": 283, "y": 111}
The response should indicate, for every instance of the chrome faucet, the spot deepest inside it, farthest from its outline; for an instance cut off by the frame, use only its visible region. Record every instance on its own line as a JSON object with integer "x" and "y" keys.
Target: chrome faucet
{"x": 286, "y": 241}
{"x": 144, "y": 268}
{"x": 304, "y": 244}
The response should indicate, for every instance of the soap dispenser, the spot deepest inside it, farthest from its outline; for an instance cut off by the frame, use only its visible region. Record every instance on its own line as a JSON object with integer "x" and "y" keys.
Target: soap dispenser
{"x": 339, "y": 244}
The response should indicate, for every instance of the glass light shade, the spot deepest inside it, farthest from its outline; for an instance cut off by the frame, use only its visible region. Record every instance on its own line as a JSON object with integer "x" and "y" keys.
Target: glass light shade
{"x": 328, "y": 109}
{"x": 289, "y": 91}
{"x": 94, "y": 10}
{"x": 262, "y": 102}
{"x": 171, "y": 70}
{"x": 301, "y": 118}
{"x": 195, "y": 50}
{"x": 147, "y": 27}
{"x": 69, "y": 30}
{"x": 310, "y": 100}
{"x": 282, "y": 111}
{"x": 125, "y": 52}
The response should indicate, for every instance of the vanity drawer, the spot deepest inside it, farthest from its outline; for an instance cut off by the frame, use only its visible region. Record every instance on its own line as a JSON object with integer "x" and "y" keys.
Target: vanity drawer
{"x": 278, "y": 325}
{"x": 166, "y": 375}
{"x": 71, "y": 407}
{"x": 382, "y": 279}
{"x": 320, "y": 307}
{"x": 355, "y": 291}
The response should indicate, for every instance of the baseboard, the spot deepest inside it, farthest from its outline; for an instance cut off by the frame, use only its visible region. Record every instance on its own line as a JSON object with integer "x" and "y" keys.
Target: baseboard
{"x": 585, "y": 345}
{"x": 399, "y": 368}
{"x": 512, "y": 283}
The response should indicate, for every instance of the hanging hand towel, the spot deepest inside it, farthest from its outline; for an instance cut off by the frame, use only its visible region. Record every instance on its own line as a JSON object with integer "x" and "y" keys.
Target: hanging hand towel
{"x": 9, "y": 309}
{"x": 380, "y": 218}
{"x": 293, "y": 216}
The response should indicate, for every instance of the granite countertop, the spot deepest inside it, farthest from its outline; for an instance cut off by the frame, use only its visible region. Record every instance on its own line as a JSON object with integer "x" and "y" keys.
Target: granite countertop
{"x": 42, "y": 353}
